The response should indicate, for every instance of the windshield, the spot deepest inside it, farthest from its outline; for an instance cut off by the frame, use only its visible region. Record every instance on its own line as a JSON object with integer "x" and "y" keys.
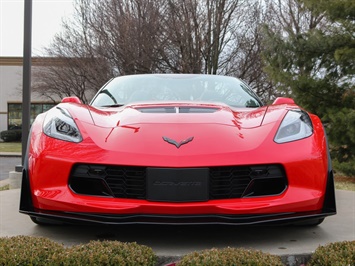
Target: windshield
{"x": 175, "y": 88}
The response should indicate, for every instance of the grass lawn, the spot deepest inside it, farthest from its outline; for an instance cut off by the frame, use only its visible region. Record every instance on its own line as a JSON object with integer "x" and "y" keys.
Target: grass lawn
{"x": 344, "y": 183}
{"x": 10, "y": 146}
{"x": 6, "y": 187}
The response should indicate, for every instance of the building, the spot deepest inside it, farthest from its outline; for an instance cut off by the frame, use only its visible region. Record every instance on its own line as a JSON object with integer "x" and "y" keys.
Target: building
{"x": 11, "y": 69}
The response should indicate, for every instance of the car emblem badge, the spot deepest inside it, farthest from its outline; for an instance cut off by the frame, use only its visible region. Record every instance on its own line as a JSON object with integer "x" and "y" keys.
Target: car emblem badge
{"x": 177, "y": 144}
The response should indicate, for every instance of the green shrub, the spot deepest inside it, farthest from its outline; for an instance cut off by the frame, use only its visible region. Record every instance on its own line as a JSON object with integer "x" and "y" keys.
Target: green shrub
{"x": 334, "y": 254}
{"x": 26, "y": 250}
{"x": 345, "y": 168}
{"x": 341, "y": 133}
{"x": 108, "y": 253}
{"x": 230, "y": 256}
{"x": 11, "y": 135}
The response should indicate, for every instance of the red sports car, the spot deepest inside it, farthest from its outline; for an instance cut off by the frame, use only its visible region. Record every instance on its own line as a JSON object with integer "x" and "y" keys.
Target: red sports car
{"x": 177, "y": 149}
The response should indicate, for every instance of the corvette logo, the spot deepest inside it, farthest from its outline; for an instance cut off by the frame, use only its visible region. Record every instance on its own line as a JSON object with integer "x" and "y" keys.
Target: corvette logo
{"x": 178, "y": 144}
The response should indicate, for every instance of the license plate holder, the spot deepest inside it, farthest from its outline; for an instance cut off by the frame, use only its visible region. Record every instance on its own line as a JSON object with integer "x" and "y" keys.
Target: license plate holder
{"x": 177, "y": 184}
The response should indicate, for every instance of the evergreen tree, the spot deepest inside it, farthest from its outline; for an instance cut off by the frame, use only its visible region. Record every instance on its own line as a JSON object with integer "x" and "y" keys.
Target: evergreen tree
{"x": 313, "y": 60}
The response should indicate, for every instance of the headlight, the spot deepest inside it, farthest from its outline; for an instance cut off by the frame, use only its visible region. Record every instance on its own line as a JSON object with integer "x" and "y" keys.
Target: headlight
{"x": 295, "y": 125}
{"x": 60, "y": 125}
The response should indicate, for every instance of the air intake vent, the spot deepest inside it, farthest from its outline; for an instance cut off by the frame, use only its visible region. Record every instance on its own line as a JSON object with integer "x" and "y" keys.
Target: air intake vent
{"x": 226, "y": 182}
{"x": 174, "y": 109}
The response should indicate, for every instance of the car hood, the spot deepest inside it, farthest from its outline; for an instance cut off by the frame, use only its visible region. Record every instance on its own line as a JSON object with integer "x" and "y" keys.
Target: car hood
{"x": 180, "y": 130}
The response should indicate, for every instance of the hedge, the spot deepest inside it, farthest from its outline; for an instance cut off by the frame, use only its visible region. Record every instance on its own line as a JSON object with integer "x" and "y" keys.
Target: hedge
{"x": 37, "y": 251}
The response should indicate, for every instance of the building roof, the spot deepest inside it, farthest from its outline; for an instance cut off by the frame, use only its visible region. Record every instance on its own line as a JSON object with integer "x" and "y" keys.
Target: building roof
{"x": 36, "y": 61}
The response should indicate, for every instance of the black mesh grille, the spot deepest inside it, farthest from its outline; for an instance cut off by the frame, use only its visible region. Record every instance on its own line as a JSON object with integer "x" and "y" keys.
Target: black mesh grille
{"x": 126, "y": 182}
{"x": 116, "y": 181}
{"x": 228, "y": 182}
{"x": 224, "y": 182}
{"x": 246, "y": 181}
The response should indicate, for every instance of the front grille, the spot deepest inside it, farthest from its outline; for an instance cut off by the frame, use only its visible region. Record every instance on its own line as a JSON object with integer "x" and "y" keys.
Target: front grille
{"x": 228, "y": 182}
{"x": 223, "y": 182}
{"x": 116, "y": 181}
{"x": 246, "y": 181}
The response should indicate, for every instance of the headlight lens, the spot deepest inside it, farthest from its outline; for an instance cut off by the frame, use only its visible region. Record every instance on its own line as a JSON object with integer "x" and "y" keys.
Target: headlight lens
{"x": 296, "y": 125}
{"x": 60, "y": 125}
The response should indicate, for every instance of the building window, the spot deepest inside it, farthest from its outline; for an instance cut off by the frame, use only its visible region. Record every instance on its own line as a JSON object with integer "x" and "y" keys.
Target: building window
{"x": 14, "y": 118}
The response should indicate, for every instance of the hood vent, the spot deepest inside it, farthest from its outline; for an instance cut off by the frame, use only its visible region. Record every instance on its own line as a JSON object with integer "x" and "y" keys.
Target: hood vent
{"x": 177, "y": 109}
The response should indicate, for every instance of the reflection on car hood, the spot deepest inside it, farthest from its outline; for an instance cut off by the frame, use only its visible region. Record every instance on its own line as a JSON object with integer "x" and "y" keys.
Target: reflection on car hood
{"x": 180, "y": 113}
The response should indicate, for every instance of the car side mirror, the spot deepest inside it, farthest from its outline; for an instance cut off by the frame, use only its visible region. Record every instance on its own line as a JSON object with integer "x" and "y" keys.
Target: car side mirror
{"x": 72, "y": 99}
{"x": 283, "y": 100}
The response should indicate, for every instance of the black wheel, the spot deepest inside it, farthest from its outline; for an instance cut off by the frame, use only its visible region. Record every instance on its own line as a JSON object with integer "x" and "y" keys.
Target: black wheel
{"x": 312, "y": 222}
{"x": 44, "y": 221}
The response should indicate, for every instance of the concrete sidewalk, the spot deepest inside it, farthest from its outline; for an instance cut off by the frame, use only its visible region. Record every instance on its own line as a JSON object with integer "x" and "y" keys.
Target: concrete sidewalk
{"x": 291, "y": 242}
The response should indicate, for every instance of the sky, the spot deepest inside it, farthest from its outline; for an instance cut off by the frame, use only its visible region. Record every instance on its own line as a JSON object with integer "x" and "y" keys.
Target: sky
{"x": 47, "y": 18}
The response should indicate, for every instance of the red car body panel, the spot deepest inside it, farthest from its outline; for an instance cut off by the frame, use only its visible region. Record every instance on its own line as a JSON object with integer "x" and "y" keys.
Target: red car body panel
{"x": 224, "y": 137}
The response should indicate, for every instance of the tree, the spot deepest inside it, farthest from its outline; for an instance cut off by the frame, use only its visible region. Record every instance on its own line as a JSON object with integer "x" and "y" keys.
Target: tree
{"x": 76, "y": 69}
{"x": 305, "y": 48}
{"x": 341, "y": 118}
{"x": 128, "y": 33}
{"x": 110, "y": 38}
{"x": 220, "y": 25}
{"x": 245, "y": 60}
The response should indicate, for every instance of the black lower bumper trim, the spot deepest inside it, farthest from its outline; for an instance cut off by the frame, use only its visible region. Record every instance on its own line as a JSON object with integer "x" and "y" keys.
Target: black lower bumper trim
{"x": 89, "y": 218}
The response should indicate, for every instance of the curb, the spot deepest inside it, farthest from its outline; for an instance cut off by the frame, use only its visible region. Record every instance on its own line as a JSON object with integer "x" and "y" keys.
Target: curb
{"x": 287, "y": 260}
{"x": 10, "y": 154}
{"x": 296, "y": 259}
